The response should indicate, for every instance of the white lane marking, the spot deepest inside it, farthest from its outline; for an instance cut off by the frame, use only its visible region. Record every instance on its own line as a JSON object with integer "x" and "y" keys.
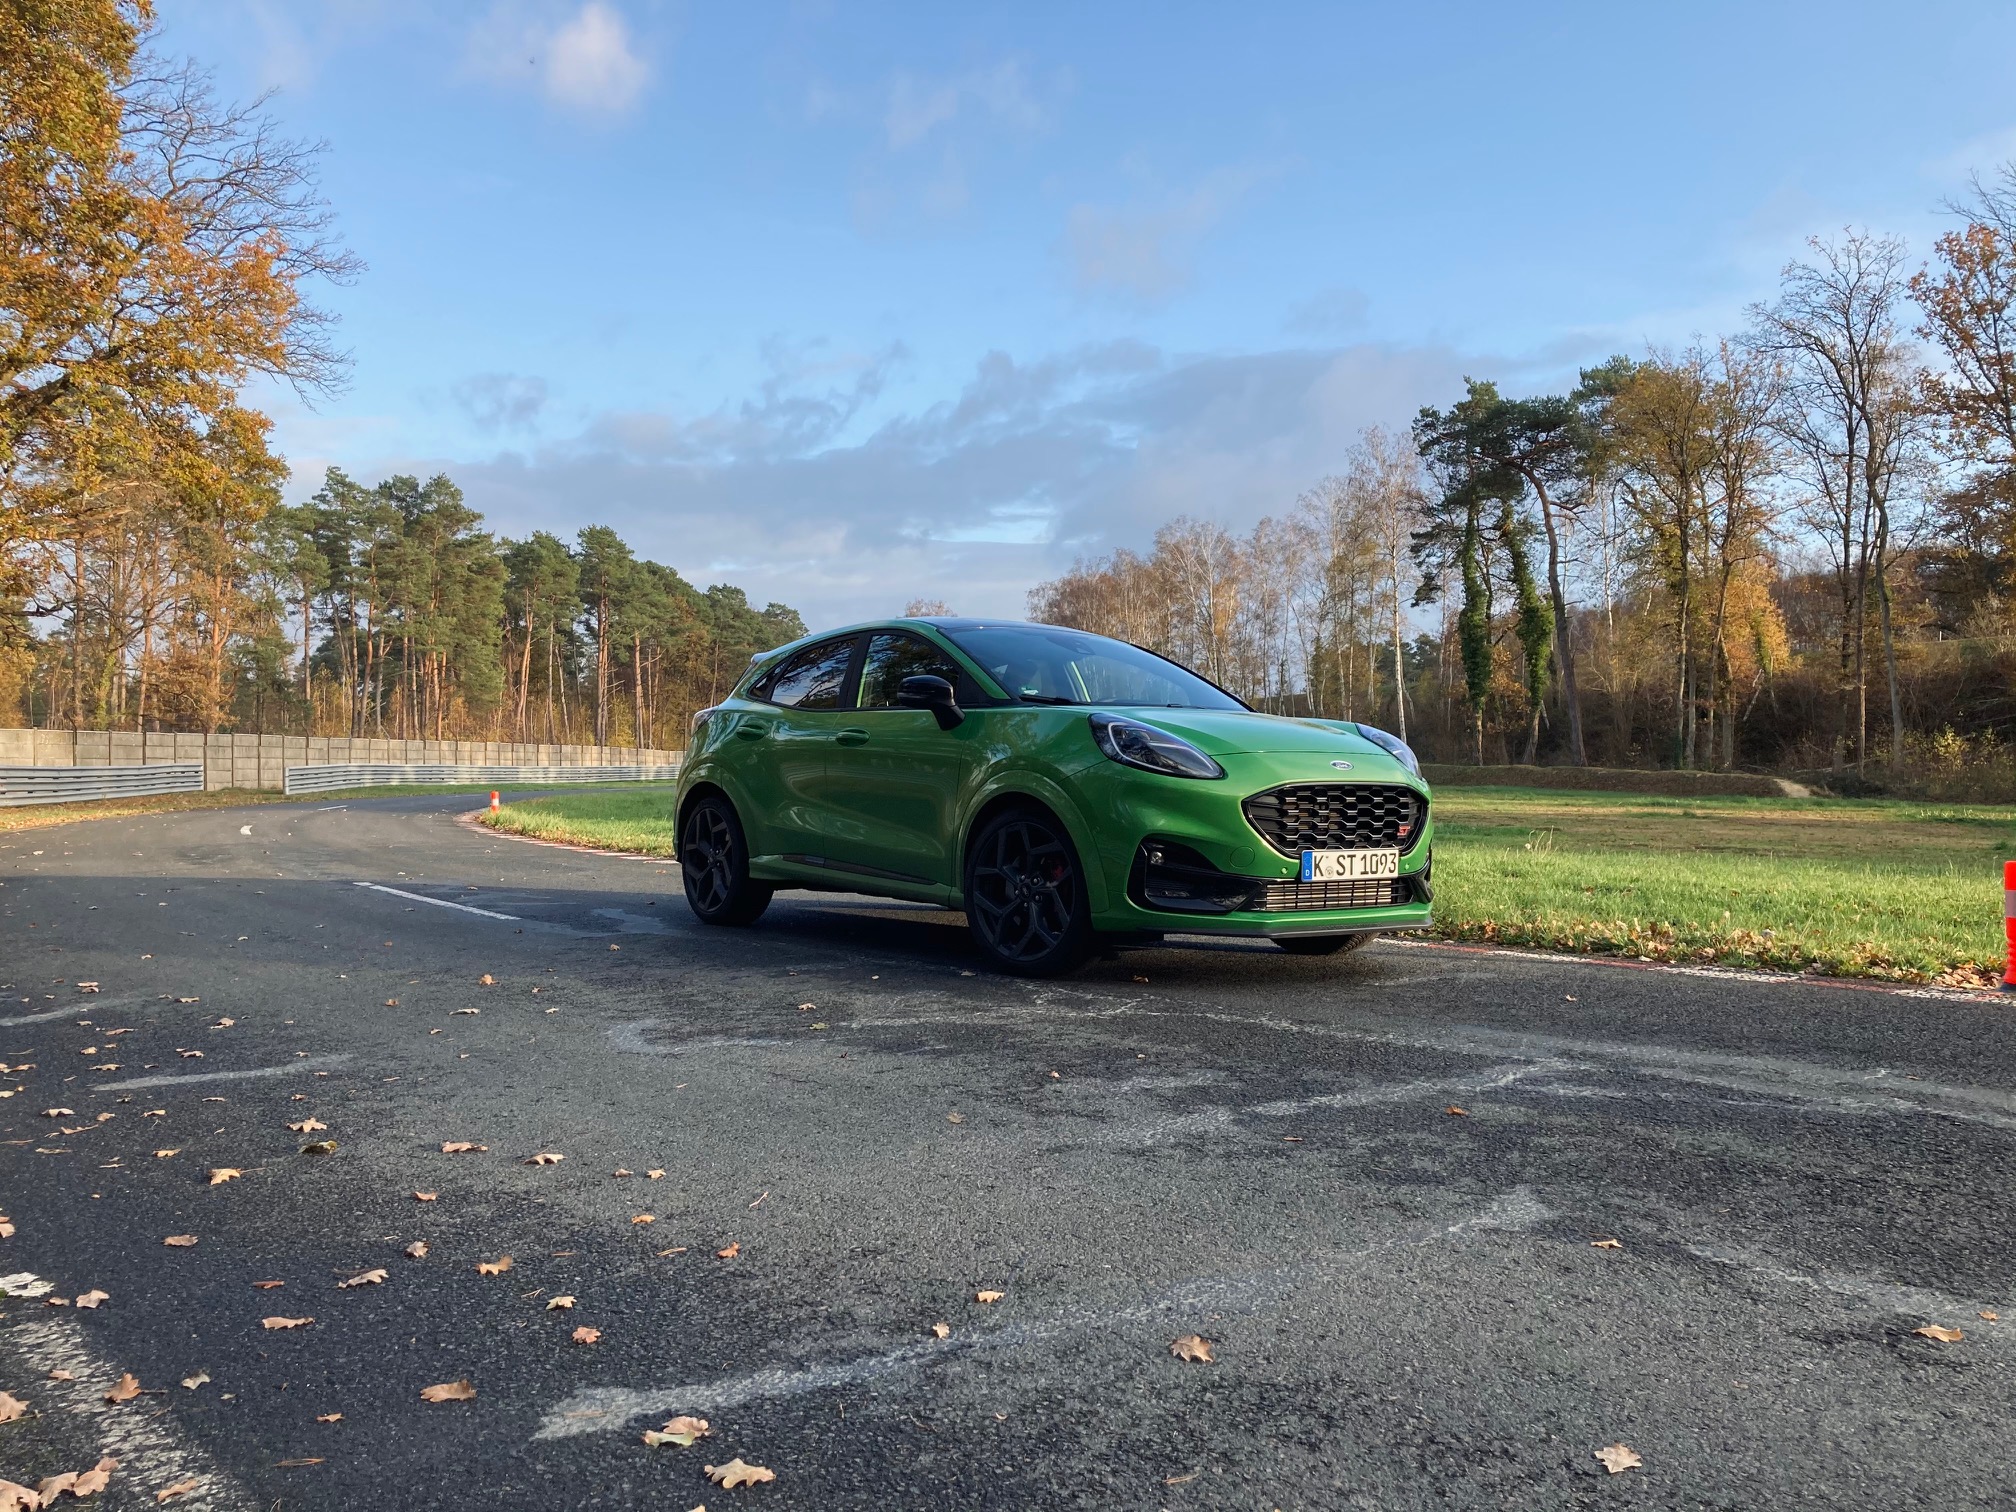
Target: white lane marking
{"x": 87, "y": 1004}
{"x": 1890, "y": 1296}
{"x": 605, "y": 1409}
{"x": 306, "y": 1063}
{"x": 437, "y": 902}
{"x": 151, "y": 1454}
{"x": 331, "y": 809}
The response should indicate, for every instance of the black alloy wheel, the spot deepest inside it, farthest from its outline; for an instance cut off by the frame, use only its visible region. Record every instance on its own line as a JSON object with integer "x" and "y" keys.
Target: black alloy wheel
{"x": 714, "y": 859}
{"x": 1322, "y": 945}
{"x": 1025, "y": 895}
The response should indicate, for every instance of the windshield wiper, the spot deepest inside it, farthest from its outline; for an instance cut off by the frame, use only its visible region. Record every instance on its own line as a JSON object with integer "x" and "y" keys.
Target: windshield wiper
{"x": 1044, "y": 698}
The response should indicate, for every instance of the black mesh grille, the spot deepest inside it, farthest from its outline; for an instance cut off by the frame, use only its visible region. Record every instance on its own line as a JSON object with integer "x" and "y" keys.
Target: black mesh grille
{"x": 1289, "y": 897}
{"x": 1337, "y": 816}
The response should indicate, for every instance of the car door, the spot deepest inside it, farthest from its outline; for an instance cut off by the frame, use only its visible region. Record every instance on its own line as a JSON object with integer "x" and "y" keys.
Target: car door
{"x": 894, "y": 777}
{"x": 783, "y": 768}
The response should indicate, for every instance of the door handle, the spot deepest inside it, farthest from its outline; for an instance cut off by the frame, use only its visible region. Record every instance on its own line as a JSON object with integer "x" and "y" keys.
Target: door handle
{"x": 851, "y": 738}
{"x": 752, "y": 729}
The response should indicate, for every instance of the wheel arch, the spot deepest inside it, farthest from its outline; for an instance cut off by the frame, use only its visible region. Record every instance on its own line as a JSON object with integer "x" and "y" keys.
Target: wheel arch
{"x": 1023, "y": 792}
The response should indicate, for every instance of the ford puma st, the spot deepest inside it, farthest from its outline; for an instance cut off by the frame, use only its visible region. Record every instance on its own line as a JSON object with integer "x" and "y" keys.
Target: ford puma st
{"x": 1062, "y": 788}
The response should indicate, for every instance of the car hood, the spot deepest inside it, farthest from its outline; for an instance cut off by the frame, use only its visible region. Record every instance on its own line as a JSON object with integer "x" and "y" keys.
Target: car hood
{"x": 1230, "y": 732}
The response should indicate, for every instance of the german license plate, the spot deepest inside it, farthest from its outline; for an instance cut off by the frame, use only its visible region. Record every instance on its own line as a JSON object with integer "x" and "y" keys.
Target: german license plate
{"x": 1349, "y": 865}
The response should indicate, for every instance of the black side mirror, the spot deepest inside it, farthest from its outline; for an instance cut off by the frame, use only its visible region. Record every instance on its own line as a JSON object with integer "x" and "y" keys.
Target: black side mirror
{"x": 933, "y": 693}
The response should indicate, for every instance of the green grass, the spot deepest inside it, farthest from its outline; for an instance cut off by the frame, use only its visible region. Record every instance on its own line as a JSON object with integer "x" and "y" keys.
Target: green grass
{"x": 42, "y": 815}
{"x": 1901, "y": 891}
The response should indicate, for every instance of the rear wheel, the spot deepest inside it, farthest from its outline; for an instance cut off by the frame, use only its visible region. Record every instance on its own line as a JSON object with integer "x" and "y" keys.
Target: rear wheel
{"x": 1322, "y": 945}
{"x": 1025, "y": 895}
{"x": 714, "y": 857}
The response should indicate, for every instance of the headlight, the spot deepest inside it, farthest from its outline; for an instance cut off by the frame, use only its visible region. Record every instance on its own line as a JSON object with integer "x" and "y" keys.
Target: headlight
{"x": 1393, "y": 746}
{"x": 1132, "y": 743}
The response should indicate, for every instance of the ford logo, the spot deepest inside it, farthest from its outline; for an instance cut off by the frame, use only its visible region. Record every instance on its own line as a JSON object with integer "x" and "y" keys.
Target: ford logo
{"x": 1342, "y": 766}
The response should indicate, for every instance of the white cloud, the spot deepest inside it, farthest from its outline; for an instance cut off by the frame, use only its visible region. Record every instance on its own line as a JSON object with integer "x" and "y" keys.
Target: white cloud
{"x": 918, "y": 107}
{"x": 501, "y": 401}
{"x": 1142, "y": 252}
{"x": 582, "y": 58}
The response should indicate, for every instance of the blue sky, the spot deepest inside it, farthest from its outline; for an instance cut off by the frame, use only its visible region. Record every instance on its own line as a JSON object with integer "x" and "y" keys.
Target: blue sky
{"x": 855, "y": 304}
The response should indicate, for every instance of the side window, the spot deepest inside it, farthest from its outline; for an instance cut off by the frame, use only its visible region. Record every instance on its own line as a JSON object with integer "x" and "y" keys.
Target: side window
{"x": 893, "y": 657}
{"x": 814, "y": 678}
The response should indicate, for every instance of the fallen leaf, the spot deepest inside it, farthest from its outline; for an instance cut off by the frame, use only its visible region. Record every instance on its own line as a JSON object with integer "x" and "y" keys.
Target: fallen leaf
{"x": 268, "y": 1285}
{"x": 453, "y": 1013}
{"x": 277, "y": 1323}
{"x": 16, "y": 1498}
{"x": 59, "y": 1112}
{"x": 449, "y": 1391}
{"x": 165, "y": 1154}
{"x": 391, "y": 1002}
{"x": 190, "y": 1383}
{"x": 585, "y": 1335}
{"x": 1617, "y": 1458}
{"x": 655, "y": 1175}
{"x": 11, "y": 1407}
{"x": 320, "y": 1147}
{"x": 546, "y": 1157}
{"x": 155, "y": 1113}
{"x": 558, "y": 1303}
{"x": 737, "y": 1473}
{"x": 1990, "y": 1314}
{"x": 180, "y": 1488}
{"x": 61, "y": 1375}
{"x": 127, "y": 1389}
{"x": 363, "y": 1278}
{"x": 1943, "y": 1335}
{"x": 495, "y": 1267}
{"x": 463, "y": 1147}
{"x": 224, "y": 1023}
{"x": 330, "y": 1417}
{"x": 296, "y": 1464}
{"x": 645, "y": 1218}
{"x": 1457, "y": 1112}
{"x": 190, "y": 1054}
{"x": 87, "y": 986}
{"x": 1192, "y": 1347}
{"x": 307, "y": 1126}
{"x": 988, "y": 1296}
{"x": 615, "y": 947}
{"x": 955, "y": 1118}
{"x": 677, "y": 1249}
{"x": 188, "y": 1000}
{"x": 729, "y": 1253}
{"x": 181, "y": 1241}
{"x": 942, "y": 1330}
{"x": 93, "y": 1298}
{"x": 486, "y": 980}
{"x": 425, "y": 1196}
{"x": 79, "y": 1484}
{"x": 620, "y": 1172}
{"x": 221, "y": 1174}
{"x": 683, "y": 1431}
{"x": 1606, "y": 1244}
{"x": 417, "y": 1250}
{"x": 55, "y": 1301}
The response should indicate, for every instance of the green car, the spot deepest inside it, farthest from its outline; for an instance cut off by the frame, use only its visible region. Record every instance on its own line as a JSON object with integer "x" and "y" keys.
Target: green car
{"x": 1064, "y": 789}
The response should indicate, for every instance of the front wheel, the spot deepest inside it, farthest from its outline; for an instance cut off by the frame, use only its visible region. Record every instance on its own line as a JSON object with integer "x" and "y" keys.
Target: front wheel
{"x": 1323, "y": 945}
{"x": 1025, "y": 895}
{"x": 714, "y": 858}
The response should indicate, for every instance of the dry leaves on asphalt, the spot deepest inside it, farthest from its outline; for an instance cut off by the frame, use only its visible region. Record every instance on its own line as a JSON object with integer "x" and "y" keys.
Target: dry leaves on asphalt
{"x": 59, "y": 1112}
{"x": 1989, "y": 1314}
{"x": 955, "y": 1117}
{"x": 307, "y": 1126}
{"x": 180, "y": 1241}
{"x": 655, "y": 1175}
{"x": 93, "y": 1298}
{"x": 463, "y": 1147}
{"x": 320, "y": 1147}
{"x": 11, "y": 1407}
{"x": 1617, "y": 1458}
{"x": 165, "y": 1154}
{"x": 425, "y": 1196}
{"x": 18, "y": 1498}
{"x": 417, "y": 1250}
{"x": 558, "y": 1304}
{"x": 683, "y": 1431}
{"x": 295, "y": 1464}
{"x": 645, "y": 1218}
{"x": 486, "y": 980}
{"x": 79, "y": 1483}
{"x": 942, "y": 1330}
{"x": 268, "y": 1285}
{"x": 729, "y": 1253}
{"x": 1606, "y": 1244}
{"x": 1192, "y": 1347}
{"x": 329, "y": 1417}
{"x": 586, "y": 1335}
{"x": 190, "y": 1383}
{"x": 285, "y": 1322}
{"x": 737, "y": 1473}
{"x": 221, "y": 1174}
{"x": 190, "y": 1054}
{"x": 988, "y": 1296}
{"x": 224, "y": 1023}
{"x": 363, "y": 1278}
{"x": 1943, "y": 1335}
{"x": 457, "y": 1012}
{"x": 546, "y": 1157}
{"x": 180, "y": 1488}
{"x": 127, "y": 1389}
{"x": 495, "y": 1267}
{"x": 449, "y": 1391}
{"x": 1456, "y": 1112}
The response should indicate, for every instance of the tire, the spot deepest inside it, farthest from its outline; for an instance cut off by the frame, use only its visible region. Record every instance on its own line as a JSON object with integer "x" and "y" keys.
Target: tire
{"x": 1025, "y": 895}
{"x": 714, "y": 859}
{"x": 1323, "y": 945}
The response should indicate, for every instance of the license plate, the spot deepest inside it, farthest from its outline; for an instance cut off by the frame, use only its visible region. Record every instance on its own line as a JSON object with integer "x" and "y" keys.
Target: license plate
{"x": 1349, "y": 865}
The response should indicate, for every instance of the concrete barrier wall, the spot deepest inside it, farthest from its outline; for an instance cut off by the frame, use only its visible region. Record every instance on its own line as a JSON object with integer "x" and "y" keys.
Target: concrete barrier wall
{"x": 261, "y": 761}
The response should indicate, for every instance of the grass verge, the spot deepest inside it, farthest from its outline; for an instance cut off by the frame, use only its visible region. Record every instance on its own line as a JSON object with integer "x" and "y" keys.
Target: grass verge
{"x": 1898, "y": 891}
{"x": 42, "y": 815}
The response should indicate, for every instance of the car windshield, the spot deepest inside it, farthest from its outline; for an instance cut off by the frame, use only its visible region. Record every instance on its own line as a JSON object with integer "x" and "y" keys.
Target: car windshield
{"x": 1048, "y": 664}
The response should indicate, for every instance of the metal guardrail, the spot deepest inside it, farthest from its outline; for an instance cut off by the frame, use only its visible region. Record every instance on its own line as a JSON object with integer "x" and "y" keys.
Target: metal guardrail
{"x": 332, "y": 778}
{"x": 20, "y": 786}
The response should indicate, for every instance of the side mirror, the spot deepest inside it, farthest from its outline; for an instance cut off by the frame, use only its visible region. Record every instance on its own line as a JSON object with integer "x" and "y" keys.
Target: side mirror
{"x": 933, "y": 693}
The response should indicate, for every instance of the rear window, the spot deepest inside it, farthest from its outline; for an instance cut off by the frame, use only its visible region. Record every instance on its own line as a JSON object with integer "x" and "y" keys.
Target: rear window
{"x": 811, "y": 679}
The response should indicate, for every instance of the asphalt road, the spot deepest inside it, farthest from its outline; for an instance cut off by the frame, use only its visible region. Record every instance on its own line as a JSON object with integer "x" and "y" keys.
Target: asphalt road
{"x": 1405, "y": 1303}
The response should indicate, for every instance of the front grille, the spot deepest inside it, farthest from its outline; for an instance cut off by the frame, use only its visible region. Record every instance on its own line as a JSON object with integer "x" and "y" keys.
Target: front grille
{"x": 1337, "y": 816}
{"x": 1293, "y": 897}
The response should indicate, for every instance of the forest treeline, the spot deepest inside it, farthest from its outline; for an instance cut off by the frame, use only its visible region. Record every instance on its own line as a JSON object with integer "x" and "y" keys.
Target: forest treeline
{"x": 1791, "y": 547}
{"x": 157, "y": 251}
